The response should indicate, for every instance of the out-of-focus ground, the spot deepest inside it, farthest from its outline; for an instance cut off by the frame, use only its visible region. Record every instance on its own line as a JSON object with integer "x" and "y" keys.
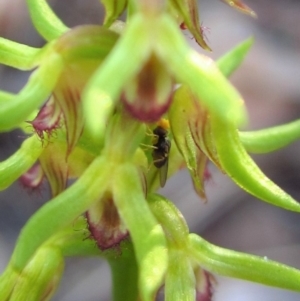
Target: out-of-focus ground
{"x": 269, "y": 81}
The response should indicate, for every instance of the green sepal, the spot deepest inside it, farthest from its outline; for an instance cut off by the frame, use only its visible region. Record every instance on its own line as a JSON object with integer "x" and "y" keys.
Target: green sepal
{"x": 44, "y": 20}
{"x": 231, "y": 60}
{"x": 270, "y": 139}
{"x": 113, "y": 9}
{"x": 243, "y": 266}
{"x": 147, "y": 235}
{"x": 17, "y": 164}
{"x": 15, "y": 109}
{"x": 243, "y": 170}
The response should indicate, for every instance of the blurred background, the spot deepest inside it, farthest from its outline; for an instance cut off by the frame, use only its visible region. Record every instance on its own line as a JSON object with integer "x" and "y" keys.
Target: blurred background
{"x": 269, "y": 81}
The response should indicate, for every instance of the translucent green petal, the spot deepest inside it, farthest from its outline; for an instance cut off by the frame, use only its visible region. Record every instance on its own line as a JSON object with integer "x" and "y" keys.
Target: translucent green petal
{"x": 16, "y": 109}
{"x": 44, "y": 20}
{"x": 17, "y": 164}
{"x": 270, "y": 139}
{"x": 243, "y": 266}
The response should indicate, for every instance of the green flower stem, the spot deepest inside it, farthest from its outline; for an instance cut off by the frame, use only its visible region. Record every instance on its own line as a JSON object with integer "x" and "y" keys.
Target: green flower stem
{"x": 270, "y": 139}
{"x": 229, "y": 62}
{"x": 199, "y": 72}
{"x": 13, "y": 167}
{"x": 146, "y": 233}
{"x": 17, "y": 55}
{"x": 58, "y": 213}
{"x": 15, "y": 110}
{"x": 45, "y": 21}
{"x": 239, "y": 265}
{"x": 124, "y": 270}
{"x": 180, "y": 280}
{"x": 243, "y": 170}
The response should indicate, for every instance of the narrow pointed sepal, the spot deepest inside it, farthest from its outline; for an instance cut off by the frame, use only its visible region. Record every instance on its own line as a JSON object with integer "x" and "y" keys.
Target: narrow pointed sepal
{"x": 240, "y": 6}
{"x": 243, "y": 266}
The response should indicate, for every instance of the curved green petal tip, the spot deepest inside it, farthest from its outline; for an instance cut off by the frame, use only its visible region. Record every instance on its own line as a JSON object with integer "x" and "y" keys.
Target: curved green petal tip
{"x": 243, "y": 170}
{"x": 270, "y": 139}
{"x": 243, "y": 266}
{"x": 17, "y": 164}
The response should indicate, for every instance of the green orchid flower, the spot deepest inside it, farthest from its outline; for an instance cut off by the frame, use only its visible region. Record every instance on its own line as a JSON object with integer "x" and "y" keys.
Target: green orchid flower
{"x": 112, "y": 112}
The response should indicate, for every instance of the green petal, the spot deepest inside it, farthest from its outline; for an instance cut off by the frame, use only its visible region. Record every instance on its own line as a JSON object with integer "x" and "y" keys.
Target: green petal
{"x": 171, "y": 220}
{"x": 199, "y": 73}
{"x": 44, "y": 20}
{"x": 242, "y": 169}
{"x": 17, "y": 164}
{"x": 15, "y": 109}
{"x": 229, "y": 62}
{"x": 17, "y": 55}
{"x": 147, "y": 235}
{"x": 243, "y": 266}
{"x": 271, "y": 139}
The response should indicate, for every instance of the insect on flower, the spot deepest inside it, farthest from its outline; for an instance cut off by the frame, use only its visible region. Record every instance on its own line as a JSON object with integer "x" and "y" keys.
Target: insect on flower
{"x": 161, "y": 146}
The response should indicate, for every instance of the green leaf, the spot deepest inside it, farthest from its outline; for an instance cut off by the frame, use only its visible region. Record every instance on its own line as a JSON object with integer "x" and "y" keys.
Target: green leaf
{"x": 229, "y": 62}
{"x": 44, "y": 20}
{"x": 271, "y": 139}
{"x": 243, "y": 266}
{"x": 17, "y": 164}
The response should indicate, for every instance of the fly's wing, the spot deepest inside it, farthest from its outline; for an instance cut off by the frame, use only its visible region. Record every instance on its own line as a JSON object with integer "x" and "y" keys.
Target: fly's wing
{"x": 163, "y": 173}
